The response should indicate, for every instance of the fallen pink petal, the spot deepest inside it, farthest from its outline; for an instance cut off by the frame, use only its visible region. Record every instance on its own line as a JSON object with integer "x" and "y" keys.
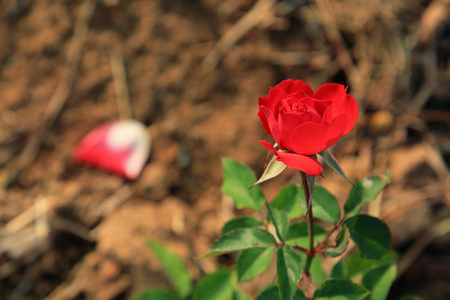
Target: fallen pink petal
{"x": 119, "y": 147}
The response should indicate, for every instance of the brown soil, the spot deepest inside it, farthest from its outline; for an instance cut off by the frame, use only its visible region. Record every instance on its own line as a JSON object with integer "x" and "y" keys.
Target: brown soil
{"x": 71, "y": 232}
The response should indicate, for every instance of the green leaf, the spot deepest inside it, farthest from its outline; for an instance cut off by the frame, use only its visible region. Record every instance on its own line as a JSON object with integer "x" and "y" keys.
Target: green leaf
{"x": 220, "y": 285}
{"x": 342, "y": 242}
{"x": 239, "y": 295}
{"x": 354, "y": 201}
{"x": 363, "y": 191}
{"x": 356, "y": 265}
{"x": 252, "y": 262}
{"x": 241, "y": 239}
{"x": 340, "y": 289}
{"x": 289, "y": 271}
{"x": 325, "y": 205}
{"x": 280, "y": 220}
{"x": 298, "y": 234}
{"x": 289, "y": 199}
{"x": 338, "y": 271}
{"x": 373, "y": 186}
{"x": 379, "y": 281}
{"x": 299, "y": 295}
{"x": 237, "y": 180}
{"x": 317, "y": 272}
{"x": 370, "y": 234}
{"x": 273, "y": 169}
{"x": 240, "y": 222}
{"x": 270, "y": 293}
{"x": 174, "y": 267}
{"x": 333, "y": 163}
{"x": 154, "y": 294}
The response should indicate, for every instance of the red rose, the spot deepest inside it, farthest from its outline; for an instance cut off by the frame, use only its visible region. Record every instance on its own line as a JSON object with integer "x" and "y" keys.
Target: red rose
{"x": 304, "y": 123}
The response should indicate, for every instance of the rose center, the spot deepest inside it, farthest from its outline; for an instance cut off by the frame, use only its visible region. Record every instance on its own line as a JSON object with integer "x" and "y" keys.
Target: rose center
{"x": 302, "y": 109}
{"x": 298, "y": 107}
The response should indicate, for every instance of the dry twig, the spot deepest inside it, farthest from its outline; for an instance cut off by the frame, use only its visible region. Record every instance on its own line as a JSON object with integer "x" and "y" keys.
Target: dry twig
{"x": 60, "y": 95}
{"x": 331, "y": 30}
{"x": 251, "y": 19}
{"x": 120, "y": 85}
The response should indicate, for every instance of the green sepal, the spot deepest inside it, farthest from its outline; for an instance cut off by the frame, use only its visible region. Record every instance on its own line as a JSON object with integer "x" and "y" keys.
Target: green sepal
{"x": 273, "y": 169}
{"x": 333, "y": 164}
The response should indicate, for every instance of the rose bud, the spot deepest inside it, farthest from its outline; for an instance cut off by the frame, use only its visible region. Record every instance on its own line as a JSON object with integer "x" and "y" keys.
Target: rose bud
{"x": 120, "y": 147}
{"x": 304, "y": 123}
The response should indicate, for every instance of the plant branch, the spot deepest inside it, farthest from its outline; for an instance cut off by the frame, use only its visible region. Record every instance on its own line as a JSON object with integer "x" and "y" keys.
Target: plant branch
{"x": 308, "y": 190}
{"x": 298, "y": 248}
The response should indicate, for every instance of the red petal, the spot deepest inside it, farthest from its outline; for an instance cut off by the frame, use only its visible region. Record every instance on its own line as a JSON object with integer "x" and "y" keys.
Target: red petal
{"x": 320, "y": 106}
{"x": 268, "y": 146}
{"x": 296, "y": 161}
{"x": 303, "y": 163}
{"x": 351, "y": 110}
{"x": 290, "y": 86}
{"x": 272, "y": 100}
{"x": 342, "y": 103}
{"x": 287, "y": 123}
{"x": 272, "y": 124}
{"x": 310, "y": 138}
{"x": 264, "y": 122}
{"x": 118, "y": 147}
{"x": 329, "y": 91}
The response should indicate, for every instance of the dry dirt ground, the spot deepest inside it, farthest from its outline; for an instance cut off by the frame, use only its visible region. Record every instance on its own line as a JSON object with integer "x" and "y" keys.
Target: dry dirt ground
{"x": 195, "y": 69}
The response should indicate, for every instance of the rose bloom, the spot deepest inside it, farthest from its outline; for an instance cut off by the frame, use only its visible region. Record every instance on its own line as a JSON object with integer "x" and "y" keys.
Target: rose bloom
{"x": 304, "y": 123}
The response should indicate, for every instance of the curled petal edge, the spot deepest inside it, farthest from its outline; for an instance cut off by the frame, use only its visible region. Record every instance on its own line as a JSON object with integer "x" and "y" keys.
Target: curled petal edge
{"x": 272, "y": 124}
{"x": 300, "y": 162}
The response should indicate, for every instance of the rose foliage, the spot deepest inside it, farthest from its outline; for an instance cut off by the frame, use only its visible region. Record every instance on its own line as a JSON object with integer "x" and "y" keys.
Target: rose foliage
{"x": 285, "y": 235}
{"x": 304, "y": 123}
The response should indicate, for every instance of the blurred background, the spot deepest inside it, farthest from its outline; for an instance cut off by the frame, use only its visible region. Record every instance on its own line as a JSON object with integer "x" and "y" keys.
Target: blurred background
{"x": 194, "y": 70}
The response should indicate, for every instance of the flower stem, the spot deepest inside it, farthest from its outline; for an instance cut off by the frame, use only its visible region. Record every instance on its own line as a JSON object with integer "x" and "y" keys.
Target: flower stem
{"x": 307, "y": 189}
